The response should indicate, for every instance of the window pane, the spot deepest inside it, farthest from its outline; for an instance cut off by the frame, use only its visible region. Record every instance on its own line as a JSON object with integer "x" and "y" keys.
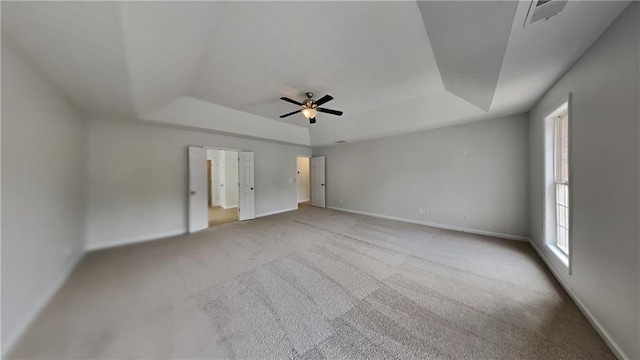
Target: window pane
{"x": 562, "y": 217}
{"x": 562, "y": 195}
{"x": 562, "y": 147}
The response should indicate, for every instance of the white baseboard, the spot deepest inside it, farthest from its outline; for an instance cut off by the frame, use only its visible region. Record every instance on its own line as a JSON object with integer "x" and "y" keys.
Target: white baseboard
{"x": 229, "y": 207}
{"x": 164, "y": 235}
{"x": 299, "y": 201}
{"x": 618, "y": 352}
{"x": 275, "y": 212}
{"x": 435, "y": 225}
{"x": 12, "y": 339}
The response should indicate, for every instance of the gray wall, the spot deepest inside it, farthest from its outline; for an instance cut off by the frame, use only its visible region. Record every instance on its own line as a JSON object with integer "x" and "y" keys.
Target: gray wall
{"x": 471, "y": 176}
{"x": 43, "y": 176}
{"x": 137, "y": 185}
{"x": 604, "y": 180}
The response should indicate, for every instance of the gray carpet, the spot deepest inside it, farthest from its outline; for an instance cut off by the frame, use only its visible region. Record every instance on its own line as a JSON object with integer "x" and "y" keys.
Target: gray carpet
{"x": 314, "y": 284}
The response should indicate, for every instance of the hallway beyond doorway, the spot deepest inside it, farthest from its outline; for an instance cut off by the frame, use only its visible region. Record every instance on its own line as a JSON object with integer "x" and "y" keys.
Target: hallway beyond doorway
{"x": 223, "y": 183}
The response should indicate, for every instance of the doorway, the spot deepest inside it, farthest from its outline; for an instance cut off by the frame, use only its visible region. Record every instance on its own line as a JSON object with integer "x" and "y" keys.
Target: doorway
{"x": 303, "y": 182}
{"x": 222, "y": 182}
{"x": 226, "y": 191}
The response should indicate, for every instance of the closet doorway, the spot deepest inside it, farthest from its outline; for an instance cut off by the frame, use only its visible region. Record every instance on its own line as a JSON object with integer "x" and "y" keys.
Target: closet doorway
{"x": 303, "y": 182}
{"x": 222, "y": 183}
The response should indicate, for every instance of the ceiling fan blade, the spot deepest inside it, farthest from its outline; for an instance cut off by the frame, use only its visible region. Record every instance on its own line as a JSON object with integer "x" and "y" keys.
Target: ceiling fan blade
{"x": 324, "y": 99}
{"x": 312, "y": 121}
{"x": 291, "y": 101}
{"x": 329, "y": 111}
{"x": 289, "y": 114}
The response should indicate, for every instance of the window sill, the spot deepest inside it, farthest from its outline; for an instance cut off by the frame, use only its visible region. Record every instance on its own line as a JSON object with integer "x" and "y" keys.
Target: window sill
{"x": 559, "y": 254}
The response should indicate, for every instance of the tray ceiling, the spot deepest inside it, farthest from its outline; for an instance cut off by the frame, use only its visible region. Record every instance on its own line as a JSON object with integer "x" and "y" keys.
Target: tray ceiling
{"x": 392, "y": 67}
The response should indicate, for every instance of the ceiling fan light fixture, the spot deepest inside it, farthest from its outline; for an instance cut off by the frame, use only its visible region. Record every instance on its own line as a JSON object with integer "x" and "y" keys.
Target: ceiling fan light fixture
{"x": 309, "y": 113}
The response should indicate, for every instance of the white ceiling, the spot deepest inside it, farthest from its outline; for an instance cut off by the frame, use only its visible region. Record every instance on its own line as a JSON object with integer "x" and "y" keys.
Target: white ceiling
{"x": 78, "y": 46}
{"x": 366, "y": 55}
{"x": 480, "y": 31}
{"x": 223, "y": 66}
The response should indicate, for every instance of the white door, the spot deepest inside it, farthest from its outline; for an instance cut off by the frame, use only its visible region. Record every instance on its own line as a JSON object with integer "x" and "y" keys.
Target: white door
{"x": 246, "y": 194}
{"x": 317, "y": 182}
{"x": 198, "y": 212}
{"x": 222, "y": 180}
{"x": 215, "y": 170}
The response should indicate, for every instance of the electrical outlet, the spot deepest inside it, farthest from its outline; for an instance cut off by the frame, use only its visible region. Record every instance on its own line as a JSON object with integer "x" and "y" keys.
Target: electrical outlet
{"x": 340, "y": 201}
{"x": 465, "y": 152}
{"x": 464, "y": 217}
{"x": 430, "y": 212}
{"x": 421, "y": 211}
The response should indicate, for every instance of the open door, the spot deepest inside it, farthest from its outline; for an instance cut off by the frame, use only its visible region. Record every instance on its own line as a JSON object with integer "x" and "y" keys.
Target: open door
{"x": 198, "y": 212}
{"x": 246, "y": 194}
{"x": 317, "y": 182}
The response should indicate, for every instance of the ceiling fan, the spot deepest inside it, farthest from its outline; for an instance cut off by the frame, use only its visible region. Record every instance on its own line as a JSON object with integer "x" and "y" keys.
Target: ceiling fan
{"x": 309, "y": 107}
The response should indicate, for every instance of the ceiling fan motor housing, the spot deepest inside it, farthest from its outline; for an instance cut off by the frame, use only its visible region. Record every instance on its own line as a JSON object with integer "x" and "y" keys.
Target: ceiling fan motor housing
{"x": 309, "y": 103}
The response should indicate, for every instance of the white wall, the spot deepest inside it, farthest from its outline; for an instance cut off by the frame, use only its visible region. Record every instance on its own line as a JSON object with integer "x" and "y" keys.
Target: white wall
{"x": 483, "y": 190}
{"x": 605, "y": 179}
{"x": 138, "y": 179}
{"x": 304, "y": 181}
{"x": 43, "y": 177}
{"x": 231, "y": 179}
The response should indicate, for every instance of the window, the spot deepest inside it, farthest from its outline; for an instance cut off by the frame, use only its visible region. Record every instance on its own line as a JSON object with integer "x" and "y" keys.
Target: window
{"x": 561, "y": 179}
{"x": 557, "y": 193}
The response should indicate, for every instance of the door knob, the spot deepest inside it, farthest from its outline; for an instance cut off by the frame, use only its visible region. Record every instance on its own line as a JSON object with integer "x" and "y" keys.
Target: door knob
{"x": 193, "y": 192}
{"x": 322, "y": 184}
{"x": 251, "y": 188}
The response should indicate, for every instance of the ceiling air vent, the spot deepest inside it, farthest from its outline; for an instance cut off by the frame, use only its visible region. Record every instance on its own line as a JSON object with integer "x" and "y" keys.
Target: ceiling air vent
{"x": 544, "y": 9}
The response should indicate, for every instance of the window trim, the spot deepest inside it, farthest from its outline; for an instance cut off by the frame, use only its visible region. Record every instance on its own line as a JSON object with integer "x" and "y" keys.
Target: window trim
{"x": 564, "y": 104}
